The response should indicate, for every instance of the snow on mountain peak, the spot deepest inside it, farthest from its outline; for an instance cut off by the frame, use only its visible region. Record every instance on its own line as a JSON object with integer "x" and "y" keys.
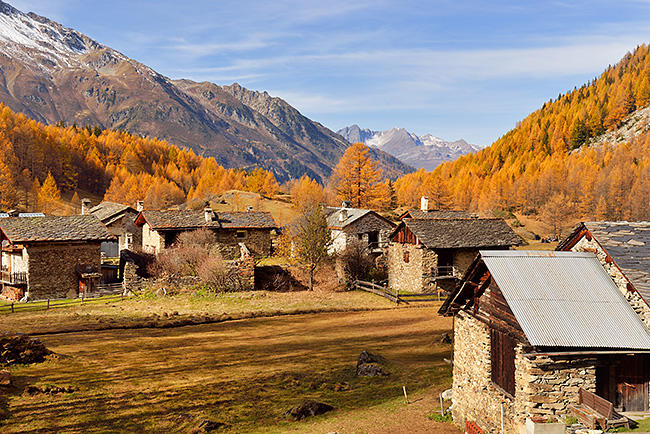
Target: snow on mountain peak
{"x": 55, "y": 42}
{"x": 426, "y": 151}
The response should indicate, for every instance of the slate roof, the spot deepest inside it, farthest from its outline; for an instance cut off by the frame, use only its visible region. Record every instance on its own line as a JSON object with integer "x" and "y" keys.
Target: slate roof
{"x": 461, "y": 233}
{"x": 189, "y": 219}
{"x": 438, "y": 214}
{"x": 628, "y": 244}
{"x": 54, "y": 228}
{"x": 565, "y": 299}
{"x": 107, "y": 211}
{"x": 353, "y": 214}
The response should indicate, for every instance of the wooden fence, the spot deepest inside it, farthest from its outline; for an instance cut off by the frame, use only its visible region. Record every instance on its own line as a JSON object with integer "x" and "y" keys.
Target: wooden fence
{"x": 104, "y": 292}
{"x": 394, "y": 296}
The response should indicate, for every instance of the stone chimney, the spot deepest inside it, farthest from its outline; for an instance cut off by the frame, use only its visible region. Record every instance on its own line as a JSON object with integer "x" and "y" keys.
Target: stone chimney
{"x": 85, "y": 206}
{"x": 139, "y": 205}
{"x": 424, "y": 203}
{"x": 343, "y": 215}
{"x": 209, "y": 215}
{"x": 346, "y": 204}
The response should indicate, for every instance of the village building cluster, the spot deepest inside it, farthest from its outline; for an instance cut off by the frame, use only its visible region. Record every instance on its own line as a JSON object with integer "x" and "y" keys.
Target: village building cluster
{"x": 538, "y": 335}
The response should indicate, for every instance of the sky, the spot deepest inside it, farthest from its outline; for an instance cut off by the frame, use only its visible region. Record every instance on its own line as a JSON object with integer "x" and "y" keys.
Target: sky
{"x": 457, "y": 69}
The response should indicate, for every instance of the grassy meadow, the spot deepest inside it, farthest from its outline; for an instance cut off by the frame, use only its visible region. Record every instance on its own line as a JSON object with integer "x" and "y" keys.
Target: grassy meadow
{"x": 245, "y": 373}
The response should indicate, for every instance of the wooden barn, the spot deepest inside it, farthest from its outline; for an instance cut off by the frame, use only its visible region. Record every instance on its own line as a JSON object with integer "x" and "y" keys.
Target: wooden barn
{"x": 534, "y": 331}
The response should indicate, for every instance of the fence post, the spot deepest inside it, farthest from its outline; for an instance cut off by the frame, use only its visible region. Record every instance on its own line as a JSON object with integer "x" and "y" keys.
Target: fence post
{"x": 82, "y": 298}
{"x": 48, "y": 303}
{"x": 12, "y": 307}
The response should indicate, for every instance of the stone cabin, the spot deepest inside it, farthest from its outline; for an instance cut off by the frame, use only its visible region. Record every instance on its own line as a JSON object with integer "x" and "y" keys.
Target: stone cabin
{"x": 623, "y": 248}
{"x": 120, "y": 220}
{"x": 253, "y": 229}
{"x": 531, "y": 328}
{"x": 431, "y": 254}
{"x": 366, "y": 225}
{"x": 51, "y": 257}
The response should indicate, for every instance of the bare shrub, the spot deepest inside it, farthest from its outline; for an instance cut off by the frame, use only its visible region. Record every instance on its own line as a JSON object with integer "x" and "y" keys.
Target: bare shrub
{"x": 195, "y": 253}
{"x": 357, "y": 262}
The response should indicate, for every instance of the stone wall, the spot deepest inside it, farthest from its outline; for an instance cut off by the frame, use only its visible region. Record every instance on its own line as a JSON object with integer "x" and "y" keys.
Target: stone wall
{"x": 123, "y": 228}
{"x": 359, "y": 229}
{"x": 634, "y": 298}
{"x": 544, "y": 386}
{"x": 463, "y": 258}
{"x": 52, "y": 268}
{"x": 414, "y": 275}
{"x": 152, "y": 241}
{"x": 258, "y": 242}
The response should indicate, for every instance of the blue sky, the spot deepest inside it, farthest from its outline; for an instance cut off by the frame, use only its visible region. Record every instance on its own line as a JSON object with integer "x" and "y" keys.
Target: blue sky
{"x": 455, "y": 69}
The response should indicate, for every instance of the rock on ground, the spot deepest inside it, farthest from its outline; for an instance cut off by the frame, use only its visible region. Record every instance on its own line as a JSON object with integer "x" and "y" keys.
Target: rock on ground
{"x": 19, "y": 349}
{"x": 309, "y": 408}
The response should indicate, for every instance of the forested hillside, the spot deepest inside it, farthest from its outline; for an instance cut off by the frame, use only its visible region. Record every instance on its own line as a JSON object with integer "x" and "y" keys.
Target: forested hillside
{"x": 123, "y": 167}
{"x": 547, "y": 165}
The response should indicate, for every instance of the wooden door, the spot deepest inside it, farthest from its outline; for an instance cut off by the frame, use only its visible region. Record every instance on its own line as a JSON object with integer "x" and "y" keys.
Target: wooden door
{"x": 632, "y": 383}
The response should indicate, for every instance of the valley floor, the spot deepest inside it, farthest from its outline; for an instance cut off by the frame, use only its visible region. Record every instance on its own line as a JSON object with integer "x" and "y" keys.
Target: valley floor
{"x": 242, "y": 373}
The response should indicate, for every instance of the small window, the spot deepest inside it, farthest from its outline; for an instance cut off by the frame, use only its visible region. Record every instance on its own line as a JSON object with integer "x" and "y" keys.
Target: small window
{"x": 406, "y": 257}
{"x": 241, "y": 235}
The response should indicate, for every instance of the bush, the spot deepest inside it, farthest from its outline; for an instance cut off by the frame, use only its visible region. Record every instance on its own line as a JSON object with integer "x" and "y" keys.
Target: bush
{"x": 357, "y": 262}
{"x": 195, "y": 253}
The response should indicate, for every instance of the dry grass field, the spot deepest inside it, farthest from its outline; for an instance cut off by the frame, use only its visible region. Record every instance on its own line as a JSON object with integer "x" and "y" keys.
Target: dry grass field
{"x": 243, "y": 373}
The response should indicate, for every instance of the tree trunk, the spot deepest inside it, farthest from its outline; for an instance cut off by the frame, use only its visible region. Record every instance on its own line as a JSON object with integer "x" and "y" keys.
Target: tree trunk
{"x": 311, "y": 279}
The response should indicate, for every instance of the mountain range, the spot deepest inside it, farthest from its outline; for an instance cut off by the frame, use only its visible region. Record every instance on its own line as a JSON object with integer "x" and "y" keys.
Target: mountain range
{"x": 425, "y": 152}
{"x": 52, "y": 73}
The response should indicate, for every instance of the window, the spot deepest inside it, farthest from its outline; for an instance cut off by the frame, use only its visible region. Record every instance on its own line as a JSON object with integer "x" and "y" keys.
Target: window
{"x": 406, "y": 257}
{"x": 241, "y": 235}
{"x": 502, "y": 349}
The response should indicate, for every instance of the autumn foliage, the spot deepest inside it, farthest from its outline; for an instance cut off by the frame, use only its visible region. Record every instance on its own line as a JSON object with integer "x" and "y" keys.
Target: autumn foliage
{"x": 547, "y": 163}
{"x": 117, "y": 165}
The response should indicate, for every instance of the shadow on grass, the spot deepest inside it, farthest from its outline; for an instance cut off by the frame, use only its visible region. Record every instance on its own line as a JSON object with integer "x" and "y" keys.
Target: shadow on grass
{"x": 243, "y": 373}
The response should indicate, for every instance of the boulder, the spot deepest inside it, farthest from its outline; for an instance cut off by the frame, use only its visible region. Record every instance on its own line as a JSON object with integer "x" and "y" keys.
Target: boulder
{"x": 309, "y": 408}
{"x": 371, "y": 365}
{"x": 209, "y": 425}
{"x": 366, "y": 357}
{"x": 5, "y": 378}
{"x": 20, "y": 349}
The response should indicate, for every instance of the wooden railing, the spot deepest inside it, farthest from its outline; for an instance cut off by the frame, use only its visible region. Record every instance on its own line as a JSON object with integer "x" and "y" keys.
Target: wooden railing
{"x": 18, "y": 278}
{"x": 394, "y": 296}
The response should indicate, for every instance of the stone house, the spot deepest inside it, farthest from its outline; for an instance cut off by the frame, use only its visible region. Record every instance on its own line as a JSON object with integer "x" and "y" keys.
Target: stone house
{"x": 51, "y": 257}
{"x": 623, "y": 248}
{"x": 425, "y": 213}
{"x": 531, "y": 328}
{"x": 429, "y": 254}
{"x": 253, "y": 229}
{"x": 366, "y": 225}
{"x": 120, "y": 221}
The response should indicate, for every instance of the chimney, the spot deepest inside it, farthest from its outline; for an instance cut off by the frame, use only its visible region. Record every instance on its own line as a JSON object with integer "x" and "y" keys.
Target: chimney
{"x": 85, "y": 206}
{"x": 209, "y": 215}
{"x": 343, "y": 215}
{"x": 139, "y": 205}
{"x": 249, "y": 208}
{"x": 346, "y": 204}
{"x": 424, "y": 203}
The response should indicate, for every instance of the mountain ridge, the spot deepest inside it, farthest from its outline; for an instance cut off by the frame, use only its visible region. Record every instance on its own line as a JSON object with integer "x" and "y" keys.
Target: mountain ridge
{"x": 423, "y": 152}
{"x": 53, "y": 73}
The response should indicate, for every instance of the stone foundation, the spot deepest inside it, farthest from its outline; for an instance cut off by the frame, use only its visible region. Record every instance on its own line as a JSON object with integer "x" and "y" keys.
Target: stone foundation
{"x": 544, "y": 386}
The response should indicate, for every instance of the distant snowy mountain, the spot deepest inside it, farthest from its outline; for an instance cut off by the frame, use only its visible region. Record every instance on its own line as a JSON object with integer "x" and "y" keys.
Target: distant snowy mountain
{"x": 420, "y": 152}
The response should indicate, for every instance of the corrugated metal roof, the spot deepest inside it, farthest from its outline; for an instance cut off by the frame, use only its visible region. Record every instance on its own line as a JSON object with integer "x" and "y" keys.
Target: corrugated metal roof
{"x": 566, "y": 299}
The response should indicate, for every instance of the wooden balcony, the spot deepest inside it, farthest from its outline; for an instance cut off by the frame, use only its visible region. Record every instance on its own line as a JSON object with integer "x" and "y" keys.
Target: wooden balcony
{"x": 19, "y": 278}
